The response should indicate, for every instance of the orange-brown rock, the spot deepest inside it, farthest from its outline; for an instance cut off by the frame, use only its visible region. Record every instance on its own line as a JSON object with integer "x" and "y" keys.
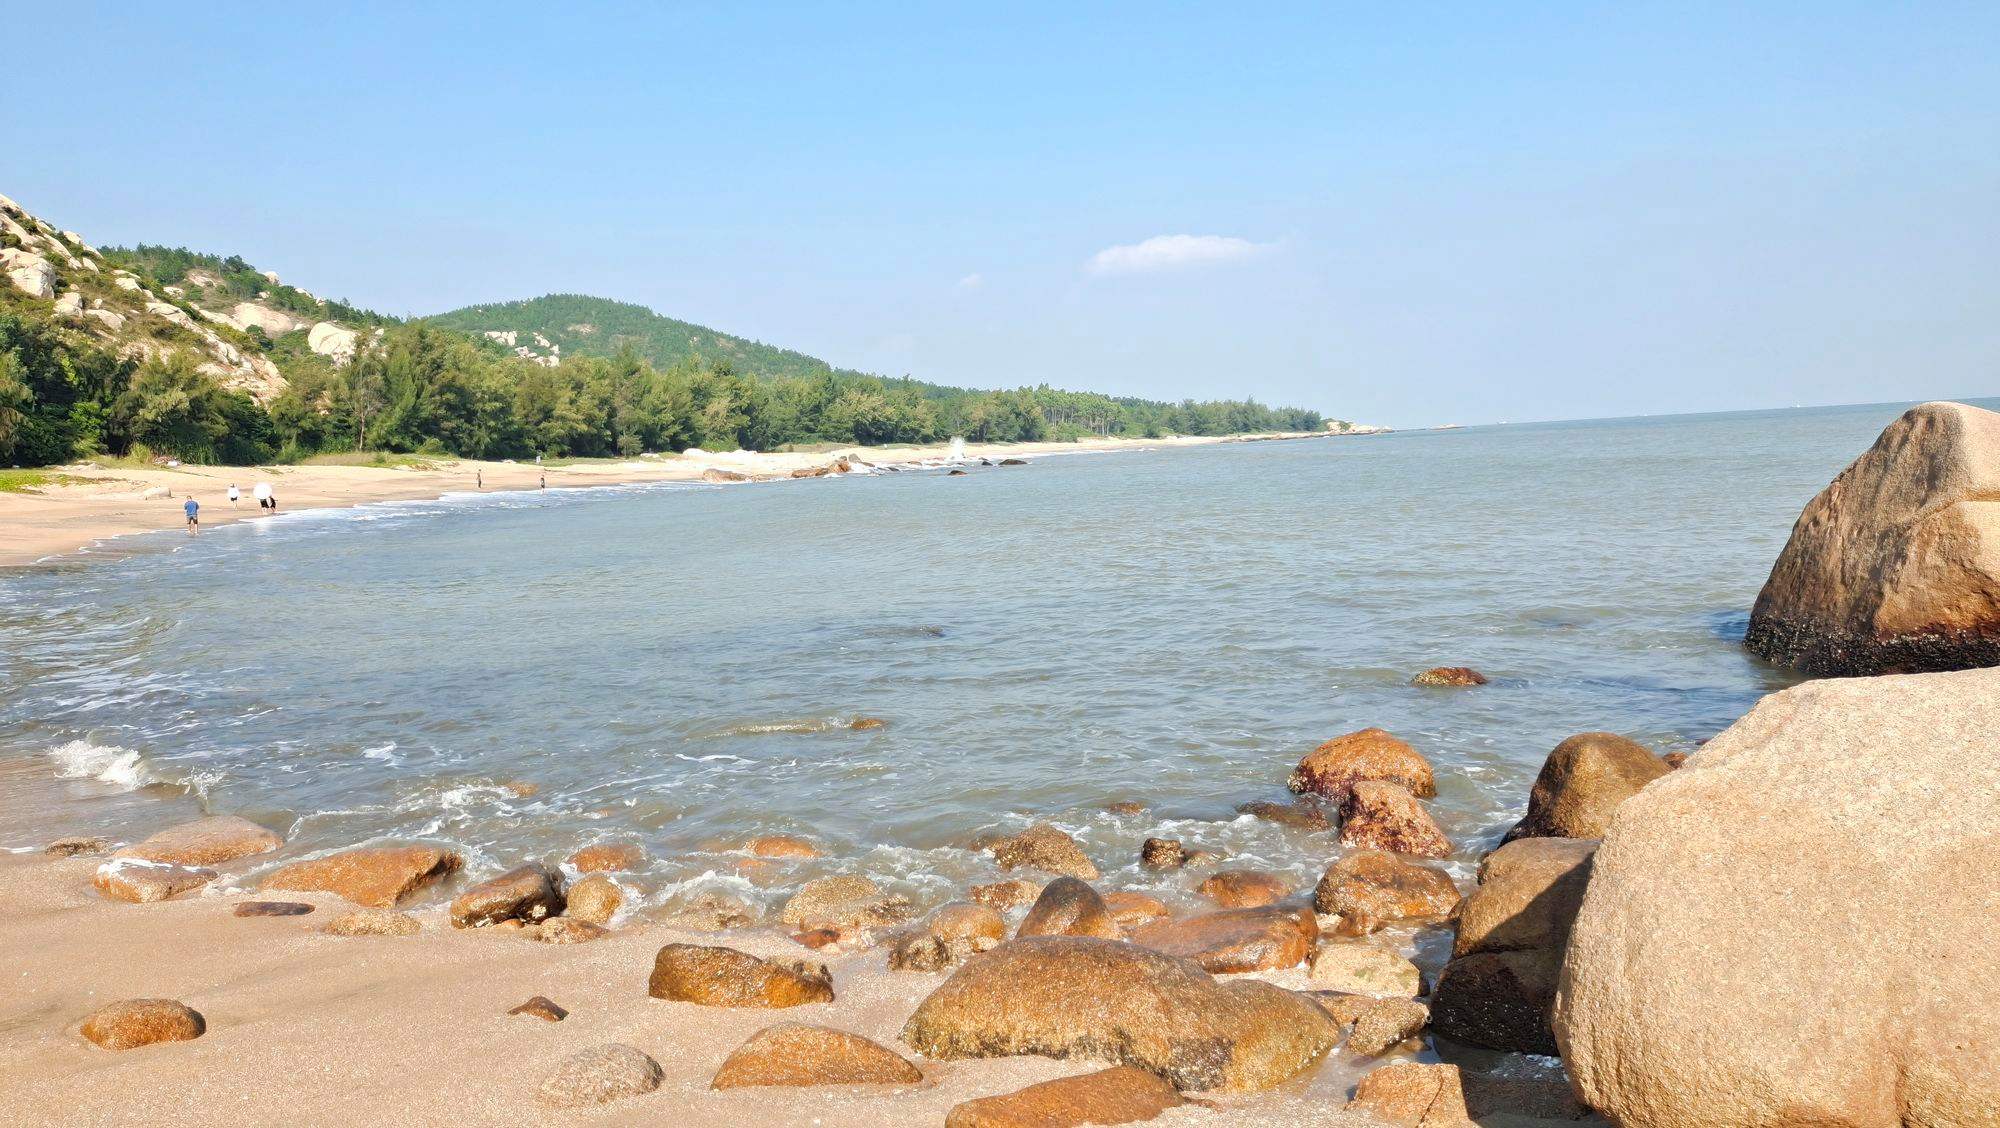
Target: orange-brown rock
{"x": 1162, "y": 854}
{"x": 133, "y": 1023}
{"x": 1304, "y": 814}
{"x": 1119, "y": 1095}
{"x": 272, "y": 908}
{"x": 1895, "y": 566}
{"x": 531, "y": 893}
{"x": 608, "y": 857}
{"x": 1244, "y": 889}
{"x": 601, "y": 1075}
{"x": 717, "y": 474}
{"x": 1131, "y": 910}
{"x": 542, "y": 1008}
{"x": 1369, "y": 755}
{"x": 594, "y": 899}
{"x": 1385, "y": 816}
{"x": 867, "y": 724}
{"x": 951, "y": 935}
{"x": 565, "y": 930}
{"x": 1383, "y": 1025}
{"x": 1045, "y": 848}
{"x": 141, "y": 882}
{"x": 1450, "y": 676}
{"x": 725, "y": 977}
{"x": 781, "y": 846}
{"x": 1413, "y": 1096}
{"x": 1126, "y": 807}
{"x": 712, "y": 911}
{"x": 1581, "y": 784}
{"x": 1236, "y": 940}
{"x": 845, "y": 902}
{"x": 1499, "y": 989}
{"x": 1075, "y": 996}
{"x": 1004, "y": 895}
{"x": 1068, "y": 907}
{"x": 375, "y": 876}
{"x": 1360, "y": 968}
{"x": 205, "y": 842}
{"x": 792, "y": 1053}
{"x": 77, "y": 846}
{"x": 1381, "y": 886}
{"x": 373, "y": 922}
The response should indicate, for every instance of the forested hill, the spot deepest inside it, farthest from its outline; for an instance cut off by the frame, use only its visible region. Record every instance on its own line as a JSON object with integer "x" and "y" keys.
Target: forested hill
{"x": 564, "y": 325}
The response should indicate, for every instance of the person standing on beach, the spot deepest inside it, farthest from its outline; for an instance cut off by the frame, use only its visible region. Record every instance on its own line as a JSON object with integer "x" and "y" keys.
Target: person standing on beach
{"x": 262, "y": 491}
{"x": 479, "y": 479}
{"x": 235, "y": 495}
{"x": 545, "y": 481}
{"x": 193, "y": 508}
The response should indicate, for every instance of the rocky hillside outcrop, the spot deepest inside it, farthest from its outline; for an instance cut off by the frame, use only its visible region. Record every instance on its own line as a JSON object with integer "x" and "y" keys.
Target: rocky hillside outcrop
{"x": 1895, "y": 566}
{"x": 1796, "y": 926}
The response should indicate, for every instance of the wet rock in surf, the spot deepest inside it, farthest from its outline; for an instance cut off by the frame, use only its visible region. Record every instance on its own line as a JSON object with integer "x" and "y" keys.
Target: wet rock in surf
{"x": 795, "y": 1054}
{"x": 844, "y": 902}
{"x": 781, "y": 846}
{"x": 1244, "y": 889}
{"x": 76, "y": 847}
{"x": 1449, "y": 676}
{"x": 205, "y": 842}
{"x": 531, "y": 893}
{"x": 712, "y": 911}
{"x": 1044, "y": 848}
{"x": 1306, "y": 814}
{"x": 566, "y": 930}
{"x": 1162, "y": 854}
{"x": 1581, "y": 784}
{"x": 1379, "y": 885}
{"x": 1382, "y": 1025}
{"x": 1371, "y": 755}
{"x": 1236, "y": 940}
{"x": 140, "y": 882}
{"x": 1119, "y": 1095}
{"x": 1131, "y": 910}
{"x": 1004, "y": 895}
{"x": 373, "y": 922}
{"x": 601, "y": 1075}
{"x": 1385, "y": 816}
{"x": 717, "y": 474}
{"x": 1499, "y": 989}
{"x": 375, "y": 876}
{"x": 1413, "y": 1095}
{"x": 955, "y": 474}
{"x": 725, "y": 977}
{"x": 542, "y": 1008}
{"x": 131, "y": 1023}
{"x": 948, "y": 937}
{"x": 595, "y": 899}
{"x": 1357, "y": 967}
{"x": 1895, "y": 566}
{"x": 608, "y": 857}
{"x": 272, "y": 909}
{"x": 1068, "y": 907}
{"x": 867, "y": 724}
{"x": 1073, "y": 996}
{"x": 1126, "y": 807}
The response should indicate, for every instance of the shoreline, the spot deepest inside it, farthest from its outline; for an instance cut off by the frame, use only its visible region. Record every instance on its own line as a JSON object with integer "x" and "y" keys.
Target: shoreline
{"x": 90, "y": 505}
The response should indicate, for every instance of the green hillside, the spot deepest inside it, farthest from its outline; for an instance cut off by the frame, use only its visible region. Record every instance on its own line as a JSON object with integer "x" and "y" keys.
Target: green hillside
{"x": 579, "y": 325}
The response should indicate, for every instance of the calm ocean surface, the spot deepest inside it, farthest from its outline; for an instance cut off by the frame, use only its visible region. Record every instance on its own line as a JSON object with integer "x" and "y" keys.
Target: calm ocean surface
{"x": 1175, "y": 626}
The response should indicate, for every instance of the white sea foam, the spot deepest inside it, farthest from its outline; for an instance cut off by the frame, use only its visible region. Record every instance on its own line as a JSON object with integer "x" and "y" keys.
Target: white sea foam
{"x": 80, "y": 759}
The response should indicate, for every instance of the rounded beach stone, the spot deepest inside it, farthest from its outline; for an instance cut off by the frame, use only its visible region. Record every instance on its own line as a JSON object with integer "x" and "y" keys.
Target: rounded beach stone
{"x": 845, "y": 901}
{"x": 1450, "y": 676}
{"x": 1068, "y": 907}
{"x": 595, "y": 900}
{"x": 1244, "y": 889}
{"x": 1075, "y": 996}
{"x": 1369, "y": 755}
{"x": 1385, "y": 816}
{"x": 1360, "y": 968}
{"x": 1379, "y": 885}
{"x": 136, "y": 881}
{"x": 1382, "y": 1025}
{"x": 567, "y": 930}
{"x": 375, "y": 876}
{"x": 1582, "y": 783}
{"x": 1236, "y": 940}
{"x": 1045, "y": 848}
{"x": 76, "y": 847}
{"x": 141, "y": 1022}
{"x": 272, "y": 908}
{"x": 725, "y": 977}
{"x": 532, "y": 892}
{"x": 373, "y": 922}
{"x": 1119, "y": 1095}
{"x": 542, "y": 1008}
{"x": 601, "y": 1075}
{"x": 1413, "y": 1096}
{"x": 1131, "y": 910}
{"x": 608, "y": 857}
{"x": 792, "y": 1053}
{"x": 1162, "y": 854}
{"x": 1004, "y": 895}
{"x": 781, "y": 846}
{"x": 205, "y": 842}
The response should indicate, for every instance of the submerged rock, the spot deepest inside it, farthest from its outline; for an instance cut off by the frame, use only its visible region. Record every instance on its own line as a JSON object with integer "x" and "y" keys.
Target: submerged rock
{"x": 725, "y": 977}
{"x": 781, "y": 846}
{"x": 1068, "y": 907}
{"x": 375, "y": 876}
{"x": 1306, "y": 814}
{"x": 1379, "y": 885}
{"x": 1078, "y": 997}
{"x": 133, "y": 1023}
{"x": 795, "y": 1054}
{"x": 1581, "y": 784}
{"x": 1449, "y": 676}
{"x": 1895, "y": 566}
{"x": 1119, "y": 1095}
{"x": 205, "y": 842}
{"x": 601, "y": 1075}
{"x": 1385, "y": 816}
{"x": 1045, "y": 848}
{"x": 1797, "y": 927}
{"x": 531, "y": 893}
{"x": 608, "y": 857}
{"x": 1372, "y": 754}
{"x": 1244, "y": 889}
{"x": 1236, "y": 940}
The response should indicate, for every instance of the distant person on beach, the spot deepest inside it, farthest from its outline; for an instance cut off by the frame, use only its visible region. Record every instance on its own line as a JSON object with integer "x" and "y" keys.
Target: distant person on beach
{"x": 479, "y": 479}
{"x": 262, "y": 492}
{"x": 193, "y": 508}
{"x": 235, "y": 495}
{"x": 545, "y": 481}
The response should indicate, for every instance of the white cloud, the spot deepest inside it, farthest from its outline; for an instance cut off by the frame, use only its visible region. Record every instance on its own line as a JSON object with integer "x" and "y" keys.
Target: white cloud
{"x": 972, "y": 281}
{"x": 1173, "y": 252}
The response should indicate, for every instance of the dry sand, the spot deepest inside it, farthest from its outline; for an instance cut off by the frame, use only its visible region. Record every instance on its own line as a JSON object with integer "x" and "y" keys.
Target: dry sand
{"x": 94, "y": 504}
{"x": 305, "y": 1028}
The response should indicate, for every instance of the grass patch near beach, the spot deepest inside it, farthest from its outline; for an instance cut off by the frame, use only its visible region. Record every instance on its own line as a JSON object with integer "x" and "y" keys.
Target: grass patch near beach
{"x": 375, "y": 458}
{"x": 33, "y": 481}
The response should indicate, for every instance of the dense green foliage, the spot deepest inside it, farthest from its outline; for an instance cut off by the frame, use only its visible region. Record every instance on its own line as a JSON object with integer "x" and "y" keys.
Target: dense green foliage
{"x": 240, "y": 281}
{"x": 587, "y": 326}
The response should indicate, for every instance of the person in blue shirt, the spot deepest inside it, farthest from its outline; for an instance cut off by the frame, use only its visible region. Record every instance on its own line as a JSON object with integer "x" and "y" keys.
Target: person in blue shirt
{"x": 193, "y": 507}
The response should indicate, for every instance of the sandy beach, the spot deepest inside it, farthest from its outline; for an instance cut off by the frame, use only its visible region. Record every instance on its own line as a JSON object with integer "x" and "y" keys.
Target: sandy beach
{"x": 89, "y": 504}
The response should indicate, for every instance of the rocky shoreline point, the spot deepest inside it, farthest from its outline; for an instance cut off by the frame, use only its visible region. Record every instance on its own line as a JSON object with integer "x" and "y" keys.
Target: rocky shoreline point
{"x": 1790, "y": 927}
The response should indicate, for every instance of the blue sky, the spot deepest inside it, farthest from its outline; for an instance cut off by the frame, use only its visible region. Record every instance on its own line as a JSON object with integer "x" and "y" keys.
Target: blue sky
{"x": 1433, "y": 214}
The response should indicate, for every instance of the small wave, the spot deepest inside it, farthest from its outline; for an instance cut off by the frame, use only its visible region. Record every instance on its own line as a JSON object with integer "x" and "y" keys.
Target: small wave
{"x": 806, "y": 727}
{"x": 80, "y": 759}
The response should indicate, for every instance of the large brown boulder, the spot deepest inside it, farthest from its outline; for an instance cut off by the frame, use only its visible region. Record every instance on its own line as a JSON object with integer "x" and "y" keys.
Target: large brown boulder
{"x": 205, "y": 842}
{"x": 795, "y": 1054}
{"x": 1500, "y": 986}
{"x": 1371, "y": 754}
{"x": 375, "y": 876}
{"x": 133, "y": 1023}
{"x": 1068, "y": 907}
{"x": 1895, "y": 565}
{"x": 1581, "y": 784}
{"x": 1797, "y": 927}
{"x": 725, "y": 977}
{"x": 532, "y": 892}
{"x": 1045, "y": 848}
{"x": 1380, "y": 885}
{"x": 1119, "y": 1095}
{"x": 1079, "y": 997}
{"x": 1387, "y": 816}
{"x": 1236, "y": 940}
